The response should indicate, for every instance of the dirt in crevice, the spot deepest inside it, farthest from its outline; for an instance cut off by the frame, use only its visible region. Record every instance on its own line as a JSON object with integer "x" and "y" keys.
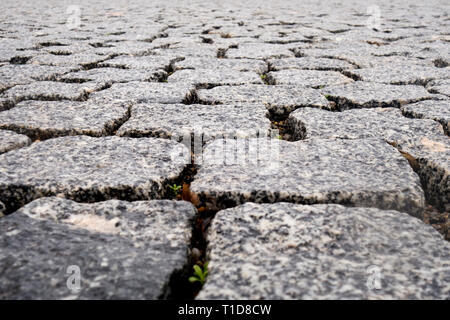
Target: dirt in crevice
{"x": 438, "y": 219}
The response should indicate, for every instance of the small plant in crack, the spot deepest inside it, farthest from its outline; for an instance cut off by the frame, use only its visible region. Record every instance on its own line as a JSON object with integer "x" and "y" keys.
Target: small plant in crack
{"x": 176, "y": 189}
{"x": 265, "y": 78}
{"x": 199, "y": 274}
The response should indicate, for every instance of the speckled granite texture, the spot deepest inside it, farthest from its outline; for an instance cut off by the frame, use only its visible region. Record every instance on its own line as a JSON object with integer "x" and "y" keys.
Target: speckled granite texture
{"x": 124, "y": 250}
{"x": 49, "y": 119}
{"x": 287, "y": 251}
{"x": 279, "y": 100}
{"x": 365, "y": 172}
{"x": 258, "y": 66}
{"x": 180, "y": 121}
{"x": 12, "y": 75}
{"x": 439, "y": 86}
{"x": 402, "y": 74}
{"x": 49, "y": 90}
{"x": 215, "y": 77}
{"x": 307, "y": 78}
{"x": 151, "y": 92}
{"x": 436, "y": 110}
{"x": 10, "y": 140}
{"x": 423, "y": 140}
{"x": 91, "y": 169}
{"x": 309, "y": 63}
{"x": 319, "y": 102}
{"x": 362, "y": 94}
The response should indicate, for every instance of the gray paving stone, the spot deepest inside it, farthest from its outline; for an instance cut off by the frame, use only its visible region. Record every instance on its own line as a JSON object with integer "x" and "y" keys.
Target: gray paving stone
{"x": 260, "y": 51}
{"x": 288, "y": 251}
{"x": 386, "y": 123}
{"x": 345, "y": 50}
{"x": 132, "y": 52}
{"x": 124, "y": 250}
{"x": 308, "y": 172}
{"x": 279, "y": 100}
{"x": 402, "y": 74}
{"x": 6, "y": 55}
{"x": 192, "y": 51}
{"x": 11, "y": 75}
{"x": 307, "y": 78}
{"x": 422, "y": 140}
{"x": 286, "y": 38}
{"x": 439, "y": 86}
{"x": 107, "y": 76}
{"x": 77, "y": 59}
{"x": 204, "y": 122}
{"x": 152, "y": 62}
{"x": 436, "y": 110}
{"x": 10, "y": 140}
{"x": 309, "y": 63}
{"x": 432, "y": 163}
{"x": 88, "y": 169}
{"x": 361, "y": 94}
{"x": 127, "y": 47}
{"x": 149, "y": 92}
{"x": 51, "y": 90}
{"x": 215, "y": 77}
{"x": 77, "y": 48}
{"x": 369, "y": 61}
{"x": 48, "y": 119}
{"x": 257, "y": 66}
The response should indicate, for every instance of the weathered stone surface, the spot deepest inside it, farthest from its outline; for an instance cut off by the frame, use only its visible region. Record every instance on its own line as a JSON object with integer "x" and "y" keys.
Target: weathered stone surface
{"x": 10, "y": 140}
{"x": 307, "y": 78}
{"x": 432, "y": 156}
{"x": 50, "y": 90}
{"x": 369, "y": 61}
{"x": 279, "y": 100}
{"x": 214, "y": 77}
{"x": 90, "y": 169}
{"x": 422, "y": 140}
{"x": 439, "y": 86}
{"x": 11, "y": 55}
{"x": 75, "y": 60}
{"x": 288, "y": 251}
{"x": 48, "y": 119}
{"x": 402, "y": 74}
{"x": 436, "y": 110}
{"x": 385, "y": 123}
{"x": 151, "y": 92}
{"x": 214, "y": 63}
{"x": 371, "y": 95}
{"x": 191, "y": 51}
{"x": 124, "y": 250}
{"x": 108, "y": 76}
{"x": 204, "y": 122}
{"x": 260, "y": 51}
{"x": 364, "y": 172}
{"x": 153, "y": 62}
{"x": 11, "y": 75}
{"x": 179, "y": 54}
{"x": 125, "y": 47}
{"x": 309, "y": 63}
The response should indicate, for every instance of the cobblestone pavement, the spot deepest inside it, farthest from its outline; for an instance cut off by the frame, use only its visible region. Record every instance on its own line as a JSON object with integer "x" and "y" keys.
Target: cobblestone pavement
{"x": 299, "y": 148}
